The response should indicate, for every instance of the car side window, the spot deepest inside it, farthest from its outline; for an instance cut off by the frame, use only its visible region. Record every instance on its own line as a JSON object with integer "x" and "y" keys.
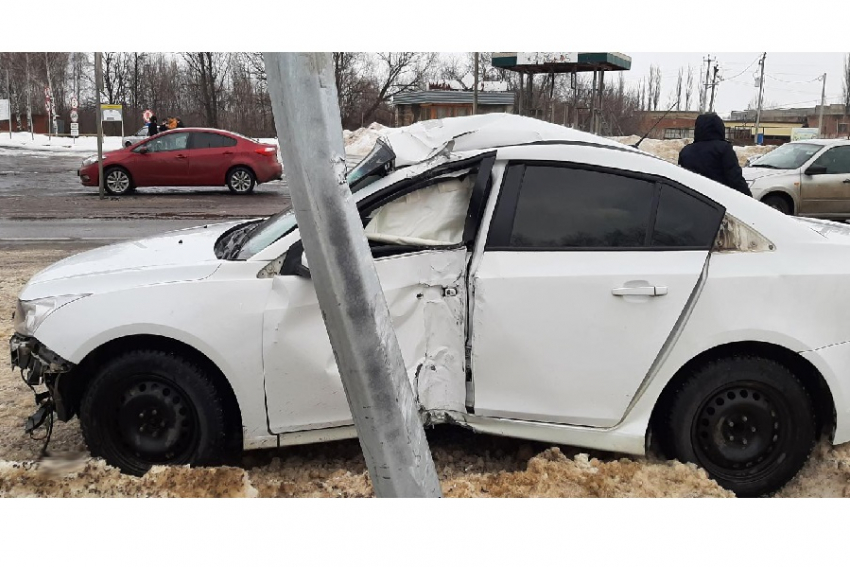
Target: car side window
{"x": 551, "y": 207}
{"x": 836, "y": 160}
{"x": 434, "y": 215}
{"x": 167, "y": 143}
{"x": 207, "y": 140}
{"x": 571, "y": 208}
{"x": 684, "y": 221}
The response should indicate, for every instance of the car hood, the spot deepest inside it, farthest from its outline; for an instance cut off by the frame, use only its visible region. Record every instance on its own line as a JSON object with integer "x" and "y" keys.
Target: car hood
{"x": 180, "y": 255}
{"x": 753, "y": 173}
{"x": 833, "y": 231}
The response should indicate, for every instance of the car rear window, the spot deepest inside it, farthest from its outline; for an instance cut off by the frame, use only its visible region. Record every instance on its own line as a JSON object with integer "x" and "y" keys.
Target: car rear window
{"x": 683, "y": 221}
{"x": 206, "y": 140}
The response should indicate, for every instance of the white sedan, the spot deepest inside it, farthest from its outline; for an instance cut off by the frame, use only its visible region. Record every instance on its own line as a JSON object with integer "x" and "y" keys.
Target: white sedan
{"x": 544, "y": 283}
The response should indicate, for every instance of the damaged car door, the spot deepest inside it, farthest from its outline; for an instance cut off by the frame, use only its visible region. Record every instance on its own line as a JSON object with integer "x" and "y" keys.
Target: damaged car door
{"x": 583, "y": 277}
{"x": 420, "y": 234}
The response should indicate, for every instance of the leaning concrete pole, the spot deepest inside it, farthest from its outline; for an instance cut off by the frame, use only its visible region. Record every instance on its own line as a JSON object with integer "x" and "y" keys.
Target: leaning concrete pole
{"x": 306, "y": 114}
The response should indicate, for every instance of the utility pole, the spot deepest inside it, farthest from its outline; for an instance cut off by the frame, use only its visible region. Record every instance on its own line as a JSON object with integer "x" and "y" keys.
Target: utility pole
{"x": 822, "y": 104}
{"x": 98, "y": 86}
{"x": 51, "y": 113}
{"x": 761, "y": 93}
{"x": 704, "y": 93}
{"x": 306, "y": 112}
{"x": 475, "y": 87}
{"x": 9, "y": 92}
{"x": 713, "y": 86}
{"x": 29, "y": 99}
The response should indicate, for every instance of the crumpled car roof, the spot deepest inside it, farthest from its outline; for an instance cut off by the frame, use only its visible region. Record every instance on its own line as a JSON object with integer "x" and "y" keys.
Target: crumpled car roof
{"x": 421, "y": 141}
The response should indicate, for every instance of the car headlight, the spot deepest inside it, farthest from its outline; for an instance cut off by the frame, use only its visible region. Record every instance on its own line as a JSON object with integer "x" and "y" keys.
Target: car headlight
{"x": 29, "y": 315}
{"x": 89, "y": 160}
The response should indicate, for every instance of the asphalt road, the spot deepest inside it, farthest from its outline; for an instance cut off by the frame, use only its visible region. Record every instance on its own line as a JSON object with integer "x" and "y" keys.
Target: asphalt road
{"x": 44, "y": 185}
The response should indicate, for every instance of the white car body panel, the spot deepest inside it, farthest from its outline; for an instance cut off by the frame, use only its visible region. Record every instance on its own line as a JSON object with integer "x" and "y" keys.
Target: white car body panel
{"x": 266, "y": 335}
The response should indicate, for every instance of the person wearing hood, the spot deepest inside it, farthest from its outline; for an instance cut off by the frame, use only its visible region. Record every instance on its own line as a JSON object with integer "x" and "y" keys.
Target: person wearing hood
{"x": 710, "y": 155}
{"x": 152, "y": 127}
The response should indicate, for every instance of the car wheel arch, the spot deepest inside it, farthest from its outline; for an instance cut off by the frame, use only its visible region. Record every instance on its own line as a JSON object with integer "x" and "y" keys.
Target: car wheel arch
{"x": 782, "y": 193}
{"x": 810, "y": 377}
{"x": 107, "y": 351}
{"x": 108, "y": 168}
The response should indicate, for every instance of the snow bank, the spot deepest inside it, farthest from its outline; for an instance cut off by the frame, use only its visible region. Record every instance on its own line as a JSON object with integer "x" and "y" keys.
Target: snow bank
{"x": 361, "y": 141}
{"x": 41, "y": 142}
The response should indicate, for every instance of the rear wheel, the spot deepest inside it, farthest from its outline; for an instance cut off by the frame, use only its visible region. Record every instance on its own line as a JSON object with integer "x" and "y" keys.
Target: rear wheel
{"x": 241, "y": 180}
{"x": 746, "y": 420}
{"x": 148, "y": 408}
{"x": 779, "y": 203}
{"x": 117, "y": 181}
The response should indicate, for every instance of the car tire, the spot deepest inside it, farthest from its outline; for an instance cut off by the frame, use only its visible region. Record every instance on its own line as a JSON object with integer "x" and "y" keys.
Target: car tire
{"x": 117, "y": 181}
{"x": 748, "y": 421}
{"x": 241, "y": 180}
{"x": 779, "y": 203}
{"x": 148, "y": 407}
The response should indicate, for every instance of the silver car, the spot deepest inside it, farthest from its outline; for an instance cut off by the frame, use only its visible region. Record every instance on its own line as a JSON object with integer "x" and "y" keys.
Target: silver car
{"x": 808, "y": 178}
{"x": 128, "y": 141}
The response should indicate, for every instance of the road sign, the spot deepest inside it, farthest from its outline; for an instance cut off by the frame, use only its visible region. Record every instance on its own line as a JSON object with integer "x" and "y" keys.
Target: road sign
{"x": 5, "y": 113}
{"x": 146, "y": 115}
{"x": 74, "y": 116}
{"x": 75, "y": 129}
{"x": 74, "y": 103}
{"x": 111, "y": 113}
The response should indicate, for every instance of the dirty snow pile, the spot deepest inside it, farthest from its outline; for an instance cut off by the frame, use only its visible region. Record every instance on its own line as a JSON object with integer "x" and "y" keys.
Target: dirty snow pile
{"x": 64, "y": 144}
{"x": 361, "y": 141}
{"x": 668, "y": 150}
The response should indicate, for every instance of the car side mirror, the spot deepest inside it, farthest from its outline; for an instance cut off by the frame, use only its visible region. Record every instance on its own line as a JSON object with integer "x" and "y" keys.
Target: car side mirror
{"x": 295, "y": 262}
{"x": 816, "y": 170}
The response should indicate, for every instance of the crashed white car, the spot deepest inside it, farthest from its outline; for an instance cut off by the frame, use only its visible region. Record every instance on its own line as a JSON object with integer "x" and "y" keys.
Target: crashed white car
{"x": 544, "y": 283}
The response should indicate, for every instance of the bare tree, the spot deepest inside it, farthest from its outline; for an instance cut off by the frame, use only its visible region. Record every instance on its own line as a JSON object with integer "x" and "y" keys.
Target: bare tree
{"x": 846, "y": 85}
{"x": 689, "y": 88}
{"x": 207, "y": 77}
{"x": 398, "y": 72}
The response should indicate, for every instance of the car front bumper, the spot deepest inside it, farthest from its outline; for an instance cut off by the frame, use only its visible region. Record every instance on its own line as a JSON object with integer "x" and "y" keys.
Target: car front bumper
{"x": 42, "y": 366}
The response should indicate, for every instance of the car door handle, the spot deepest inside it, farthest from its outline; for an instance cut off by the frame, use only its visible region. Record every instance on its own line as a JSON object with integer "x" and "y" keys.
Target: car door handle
{"x": 181, "y": 156}
{"x": 227, "y": 153}
{"x": 651, "y": 290}
{"x": 846, "y": 181}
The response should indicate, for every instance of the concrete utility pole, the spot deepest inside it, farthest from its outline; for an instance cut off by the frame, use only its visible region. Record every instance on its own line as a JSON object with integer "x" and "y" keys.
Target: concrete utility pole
{"x": 98, "y": 87}
{"x": 713, "y": 87}
{"x": 761, "y": 93}
{"x": 475, "y": 87}
{"x": 9, "y": 92}
{"x": 306, "y": 113}
{"x": 822, "y": 104}
{"x": 29, "y": 100}
{"x": 704, "y": 93}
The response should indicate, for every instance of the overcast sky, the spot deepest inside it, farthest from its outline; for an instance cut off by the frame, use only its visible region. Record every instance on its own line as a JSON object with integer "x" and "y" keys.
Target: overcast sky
{"x": 791, "y": 79}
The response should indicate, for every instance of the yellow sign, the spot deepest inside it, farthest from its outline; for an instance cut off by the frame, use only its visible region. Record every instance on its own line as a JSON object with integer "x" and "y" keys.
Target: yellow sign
{"x": 110, "y": 106}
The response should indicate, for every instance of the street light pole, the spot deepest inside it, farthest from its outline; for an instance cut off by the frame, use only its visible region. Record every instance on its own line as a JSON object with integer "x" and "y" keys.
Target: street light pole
{"x": 98, "y": 85}
{"x": 306, "y": 114}
{"x": 475, "y": 87}
{"x": 822, "y": 104}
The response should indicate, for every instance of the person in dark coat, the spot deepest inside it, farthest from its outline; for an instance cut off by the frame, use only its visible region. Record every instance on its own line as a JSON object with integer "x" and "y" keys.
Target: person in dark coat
{"x": 712, "y": 156}
{"x": 152, "y": 127}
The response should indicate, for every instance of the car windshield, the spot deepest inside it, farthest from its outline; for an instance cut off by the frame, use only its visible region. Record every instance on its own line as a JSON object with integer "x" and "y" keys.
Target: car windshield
{"x": 789, "y": 156}
{"x": 377, "y": 164}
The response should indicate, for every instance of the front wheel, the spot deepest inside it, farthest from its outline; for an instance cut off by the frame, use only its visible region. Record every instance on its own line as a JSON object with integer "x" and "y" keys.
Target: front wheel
{"x": 778, "y": 203}
{"x": 241, "y": 180}
{"x": 147, "y": 408}
{"x": 117, "y": 181}
{"x": 746, "y": 420}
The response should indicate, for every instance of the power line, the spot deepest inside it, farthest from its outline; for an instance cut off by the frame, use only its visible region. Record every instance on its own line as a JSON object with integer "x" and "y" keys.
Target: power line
{"x": 742, "y": 72}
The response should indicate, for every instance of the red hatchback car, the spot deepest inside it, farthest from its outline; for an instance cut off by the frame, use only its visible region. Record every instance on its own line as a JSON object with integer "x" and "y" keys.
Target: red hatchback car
{"x": 187, "y": 157}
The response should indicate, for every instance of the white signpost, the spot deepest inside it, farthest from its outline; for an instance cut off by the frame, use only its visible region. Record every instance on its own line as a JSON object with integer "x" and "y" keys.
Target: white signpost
{"x": 75, "y": 128}
{"x": 75, "y": 131}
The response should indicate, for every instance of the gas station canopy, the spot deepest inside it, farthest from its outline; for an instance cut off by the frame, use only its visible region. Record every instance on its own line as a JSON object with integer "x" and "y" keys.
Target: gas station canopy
{"x": 561, "y": 62}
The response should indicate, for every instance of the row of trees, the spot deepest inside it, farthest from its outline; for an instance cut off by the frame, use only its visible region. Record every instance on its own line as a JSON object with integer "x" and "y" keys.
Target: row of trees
{"x": 229, "y": 90}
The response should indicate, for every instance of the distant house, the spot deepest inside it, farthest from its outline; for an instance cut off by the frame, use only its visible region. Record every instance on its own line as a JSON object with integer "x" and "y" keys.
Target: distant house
{"x": 452, "y": 98}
